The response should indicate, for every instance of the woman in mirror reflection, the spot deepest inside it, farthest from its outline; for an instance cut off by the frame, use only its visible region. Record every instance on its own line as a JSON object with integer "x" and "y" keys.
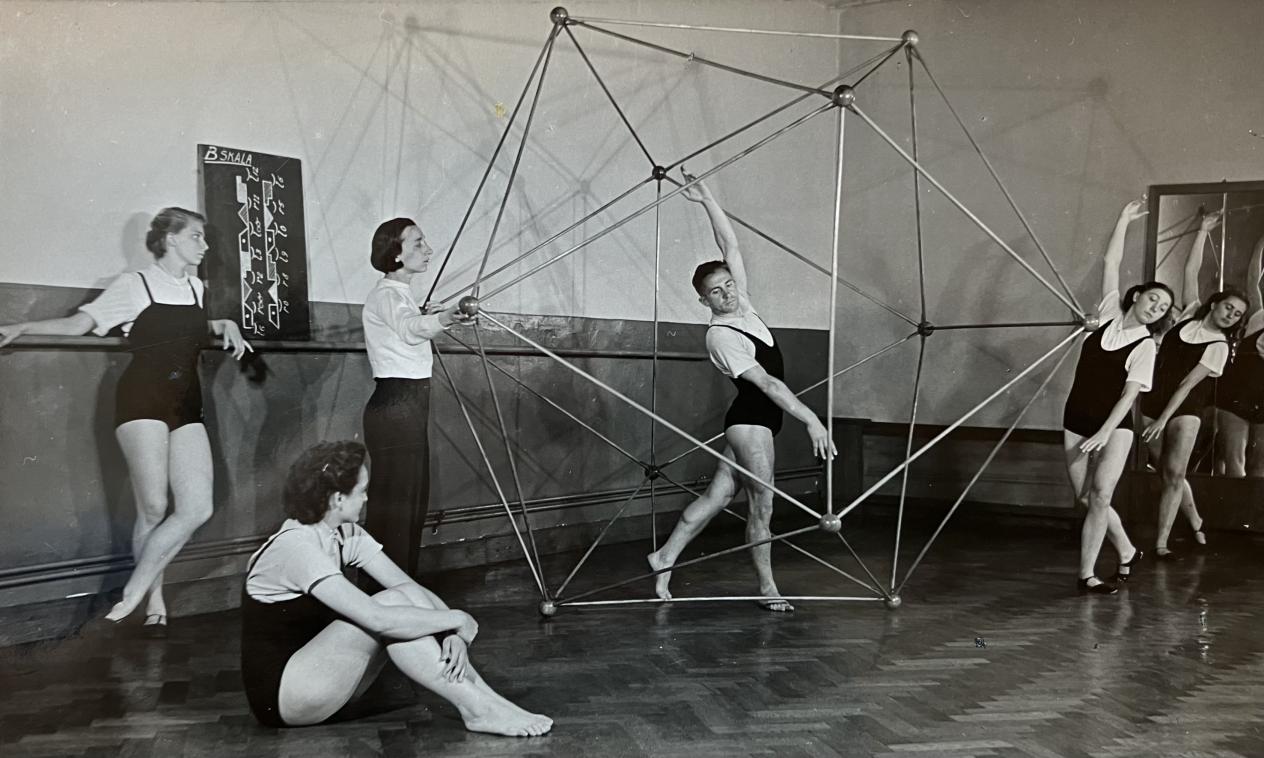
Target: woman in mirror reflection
{"x": 1240, "y": 392}
{"x": 1196, "y": 348}
{"x": 158, "y": 414}
{"x": 1116, "y": 364}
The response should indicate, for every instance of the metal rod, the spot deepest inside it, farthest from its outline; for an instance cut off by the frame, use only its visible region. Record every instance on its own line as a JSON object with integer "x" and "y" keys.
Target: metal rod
{"x": 796, "y": 598}
{"x": 606, "y": 90}
{"x": 812, "y": 264}
{"x": 1224, "y": 228}
{"x": 690, "y": 562}
{"x": 809, "y": 388}
{"x": 978, "y": 474}
{"x": 621, "y": 22}
{"x": 833, "y": 311}
{"x": 952, "y": 427}
{"x": 1006, "y": 325}
{"x": 797, "y": 122}
{"x": 1078, "y": 310}
{"x": 565, "y": 583}
{"x": 513, "y": 462}
{"x": 564, "y": 412}
{"x": 874, "y": 589}
{"x": 478, "y": 442}
{"x": 908, "y": 450}
{"x": 553, "y": 238}
{"x": 917, "y": 185}
{"x": 704, "y": 61}
{"x": 513, "y": 172}
{"x": 886, "y": 57}
{"x": 861, "y": 563}
{"x": 637, "y": 406}
{"x": 658, "y": 252}
{"x": 969, "y": 214}
{"x": 755, "y": 122}
{"x": 490, "y": 163}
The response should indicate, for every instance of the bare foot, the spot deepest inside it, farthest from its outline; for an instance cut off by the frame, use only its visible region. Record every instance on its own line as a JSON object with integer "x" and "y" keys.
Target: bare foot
{"x": 777, "y": 605}
{"x": 662, "y": 580}
{"x": 499, "y": 716}
{"x": 773, "y": 601}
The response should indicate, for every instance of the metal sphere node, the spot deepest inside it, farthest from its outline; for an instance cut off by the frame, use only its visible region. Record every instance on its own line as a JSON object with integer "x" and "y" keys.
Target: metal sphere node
{"x": 548, "y": 608}
{"x": 1091, "y": 323}
{"x": 910, "y": 38}
{"x": 659, "y": 173}
{"x": 831, "y": 522}
{"x": 894, "y": 602}
{"x": 844, "y": 95}
{"x": 559, "y": 15}
{"x": 468, "y": 305}
{"x": 925, "y": 329}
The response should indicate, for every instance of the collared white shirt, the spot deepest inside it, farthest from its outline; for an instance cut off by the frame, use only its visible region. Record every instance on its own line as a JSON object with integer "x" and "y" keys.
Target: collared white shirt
{"x": 392, "y": 319}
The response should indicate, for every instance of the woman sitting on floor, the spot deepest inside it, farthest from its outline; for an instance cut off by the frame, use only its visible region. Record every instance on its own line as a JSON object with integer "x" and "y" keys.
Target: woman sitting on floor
{"x": 312, "y": 641}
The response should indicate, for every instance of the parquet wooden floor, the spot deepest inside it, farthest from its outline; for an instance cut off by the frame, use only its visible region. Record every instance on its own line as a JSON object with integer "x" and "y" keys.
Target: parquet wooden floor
{"x": 1172, "y": 666}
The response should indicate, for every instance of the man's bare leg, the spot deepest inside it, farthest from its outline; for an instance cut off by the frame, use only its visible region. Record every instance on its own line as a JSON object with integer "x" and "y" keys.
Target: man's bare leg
{"x": 753, "y": 448}
{"x": 693, "y": 519}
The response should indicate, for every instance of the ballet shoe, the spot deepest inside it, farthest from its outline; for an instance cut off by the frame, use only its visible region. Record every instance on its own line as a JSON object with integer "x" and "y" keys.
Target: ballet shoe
{"x": 1084, "y": 588}
{"x": 1164, "y": 554}
{"x": 1200, "y": 539}
{"x": 155, "y": 627}
{"x": 1120, "y": 576}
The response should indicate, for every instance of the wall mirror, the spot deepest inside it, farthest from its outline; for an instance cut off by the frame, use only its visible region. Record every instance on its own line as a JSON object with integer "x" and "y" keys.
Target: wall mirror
{"x": 1231, "y": 437}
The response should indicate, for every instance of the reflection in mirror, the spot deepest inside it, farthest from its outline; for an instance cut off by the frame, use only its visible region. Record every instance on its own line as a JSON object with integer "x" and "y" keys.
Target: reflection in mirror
{"x": 1206, "y": 242}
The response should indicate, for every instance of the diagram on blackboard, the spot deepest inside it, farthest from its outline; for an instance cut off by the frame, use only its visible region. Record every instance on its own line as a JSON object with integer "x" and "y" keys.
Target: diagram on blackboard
{"x": 257, "y": 200}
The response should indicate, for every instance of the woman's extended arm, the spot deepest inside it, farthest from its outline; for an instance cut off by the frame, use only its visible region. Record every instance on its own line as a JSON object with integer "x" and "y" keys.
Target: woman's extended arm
{"x": 1114, "y": 255}
{"x": 69, "y": 326}
{"x": 1191, "y": 380}
{"x": 1194, "y": 262}
{"x": 1117, "y": 413}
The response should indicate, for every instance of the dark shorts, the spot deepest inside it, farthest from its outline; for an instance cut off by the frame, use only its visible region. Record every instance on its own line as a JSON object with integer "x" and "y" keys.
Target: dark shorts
{"x": 753, "y": 415}
{"x": 1249, "y": 410}
{"x": 1086, "y": 425}
{"x": 270, "y": 634}
{"x": 174, "y": 399}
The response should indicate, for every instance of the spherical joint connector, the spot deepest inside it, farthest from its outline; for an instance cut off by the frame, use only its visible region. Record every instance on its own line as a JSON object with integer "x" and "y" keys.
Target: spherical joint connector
{"x": 925, "y": 329}
{"x": 844, "y": 95}
{"x": 548, "y": 608}
{"x": 831, "y": 522}
{"x": 659, "y": 173}
{"x": 910, "y": 38}
{"x": 468, "y": 305}
{"x": 1092, "y": 323}
{"x": 894, "y": 602}
{"x": 559, "y": 15}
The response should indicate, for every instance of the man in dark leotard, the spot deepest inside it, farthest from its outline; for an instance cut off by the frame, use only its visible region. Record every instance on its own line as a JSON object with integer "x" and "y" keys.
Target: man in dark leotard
{"x": 743, "y": 349}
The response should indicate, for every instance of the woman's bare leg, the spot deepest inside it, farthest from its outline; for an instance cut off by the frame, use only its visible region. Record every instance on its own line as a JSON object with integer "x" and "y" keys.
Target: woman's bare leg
{"x": 343, "y": 659}
{"x": 190, "y": 477}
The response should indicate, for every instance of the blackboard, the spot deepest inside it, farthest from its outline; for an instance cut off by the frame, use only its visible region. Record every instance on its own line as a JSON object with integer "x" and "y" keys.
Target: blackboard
{"x": 256, "y": 269}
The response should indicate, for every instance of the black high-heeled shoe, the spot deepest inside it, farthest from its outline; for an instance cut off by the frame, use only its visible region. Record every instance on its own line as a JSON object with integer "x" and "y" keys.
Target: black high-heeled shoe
{"x": 1120, "y": 576}
{"x": 1082, "y": 586}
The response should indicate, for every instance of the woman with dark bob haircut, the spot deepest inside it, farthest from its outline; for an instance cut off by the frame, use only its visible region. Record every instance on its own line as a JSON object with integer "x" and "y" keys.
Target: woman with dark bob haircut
{"x": 1193, "y": 350}
{"x": 311, "y": 641}
{"x": 1116, "y": 364}
{"x": 397, "y": 335}
{"x": 158, "y": 402}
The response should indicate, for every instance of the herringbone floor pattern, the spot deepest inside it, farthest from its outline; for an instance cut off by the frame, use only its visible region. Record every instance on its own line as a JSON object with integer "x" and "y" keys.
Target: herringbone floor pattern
{"x": 1172, "y": 666}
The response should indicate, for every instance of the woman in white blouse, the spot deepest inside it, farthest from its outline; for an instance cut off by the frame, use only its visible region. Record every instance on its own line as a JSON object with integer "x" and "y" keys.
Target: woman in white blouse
{"x": 1196, "y": 348}
{"x": 158, "y": 408}
{"x": 311, "y": 641}
{"x": 397, "y": 335}
{"x": 1116, "y": 363}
